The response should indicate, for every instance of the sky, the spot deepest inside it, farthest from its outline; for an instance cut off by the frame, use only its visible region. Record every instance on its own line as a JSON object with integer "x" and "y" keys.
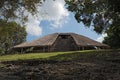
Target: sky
{"x": 53, "y": 17}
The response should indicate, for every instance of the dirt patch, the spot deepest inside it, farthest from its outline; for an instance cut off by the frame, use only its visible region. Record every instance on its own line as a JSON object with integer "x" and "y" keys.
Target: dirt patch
{"x": 54, "y": 70}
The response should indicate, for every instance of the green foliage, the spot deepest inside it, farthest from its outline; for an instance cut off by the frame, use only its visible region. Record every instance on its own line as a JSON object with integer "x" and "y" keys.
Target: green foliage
{"x": 66, "y": 56}
{"x": 8, "y": 8}
{"x": 10, "y": 35}
{"x": 113, "y": 38}
{"x": 97, "y": 12}
{"x": 103, "y": 15}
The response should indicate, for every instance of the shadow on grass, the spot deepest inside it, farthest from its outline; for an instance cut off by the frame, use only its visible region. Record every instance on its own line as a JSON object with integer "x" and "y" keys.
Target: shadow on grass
{"x": 88, "y": 56}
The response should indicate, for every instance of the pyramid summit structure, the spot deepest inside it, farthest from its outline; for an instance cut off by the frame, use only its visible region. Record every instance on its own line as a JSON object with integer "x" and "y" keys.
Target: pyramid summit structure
{"x": 60, "y": 42}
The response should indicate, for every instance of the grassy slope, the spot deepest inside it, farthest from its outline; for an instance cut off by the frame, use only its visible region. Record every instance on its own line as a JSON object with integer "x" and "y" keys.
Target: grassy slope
{"x": 77, "y": 65}
{"x": 96, "y": 55}
{"x": 66, "y": 56}
{"x": 52, "y": 55}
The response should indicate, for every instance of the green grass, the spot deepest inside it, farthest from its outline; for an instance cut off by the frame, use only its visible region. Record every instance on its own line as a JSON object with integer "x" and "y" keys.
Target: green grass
{"x": 27, "y": 56}
{"x": 65, "y": 56}
{"x": 92, "y": 56}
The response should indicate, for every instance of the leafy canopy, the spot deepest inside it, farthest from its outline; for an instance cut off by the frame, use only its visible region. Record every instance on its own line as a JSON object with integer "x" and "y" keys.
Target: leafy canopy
{"x": 12, "y": 9}
{"x": 11, "y": 34}
{"x": 113, "y": 38}
{"x": 103, "y": 15}
{"x": 98, "y": 13}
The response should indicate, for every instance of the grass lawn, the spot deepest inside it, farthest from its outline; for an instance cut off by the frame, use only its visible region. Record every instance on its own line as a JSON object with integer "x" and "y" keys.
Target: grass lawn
{"x": 65, "y": 56}
{"x": 27, "y": 56}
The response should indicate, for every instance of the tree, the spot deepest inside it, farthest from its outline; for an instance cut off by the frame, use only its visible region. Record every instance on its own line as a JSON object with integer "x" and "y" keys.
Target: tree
{"x": 113, "y": 38}
{"x": 11, "y": 34}
{"x": 12, "y": 9}
{"x": 103, "y": 15}
{"x": 99, "y": 13}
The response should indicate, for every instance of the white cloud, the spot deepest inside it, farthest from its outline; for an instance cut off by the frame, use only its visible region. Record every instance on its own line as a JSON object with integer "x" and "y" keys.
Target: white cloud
{"x": 53, "y": 11}
{"x": 33, "y": 27}
{"x": 101, "y": 38}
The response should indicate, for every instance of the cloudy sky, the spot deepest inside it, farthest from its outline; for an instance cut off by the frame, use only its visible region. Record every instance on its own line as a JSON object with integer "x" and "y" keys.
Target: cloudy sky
{"x": 53, "y": 17}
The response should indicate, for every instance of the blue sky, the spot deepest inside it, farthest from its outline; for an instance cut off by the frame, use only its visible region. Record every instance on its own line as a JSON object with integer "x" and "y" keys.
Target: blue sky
{"x": 70, "y": 26}
{"x": 53, "y": 17}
